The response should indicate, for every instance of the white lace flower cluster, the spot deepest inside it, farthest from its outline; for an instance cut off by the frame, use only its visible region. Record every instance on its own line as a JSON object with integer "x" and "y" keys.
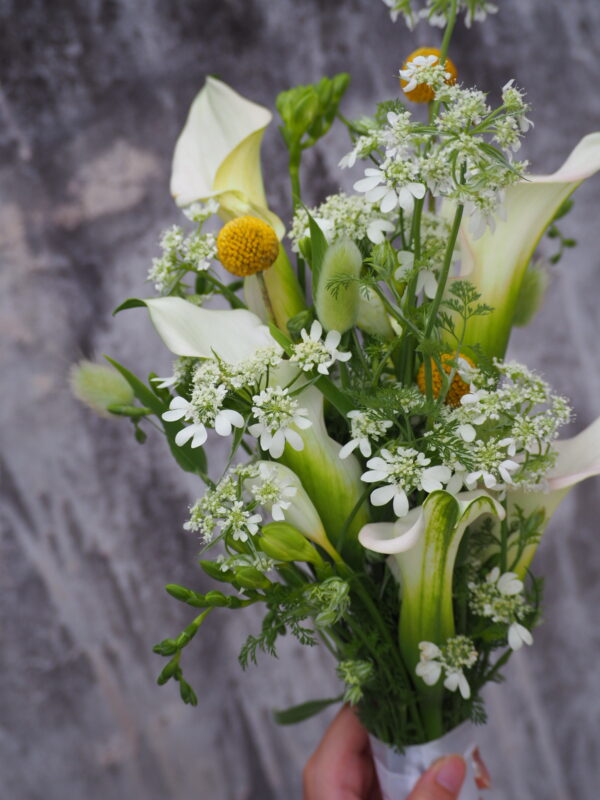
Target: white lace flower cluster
{"x": 500, "y": 598}
{"x": 467, "y": 155}
{"x": 256, "y": 560}
{"x": 204, "y": 409}
{"x": 278, "y": 413}
{"x": 181, "y": 254}
{"x": 271, "y": 492}
{"x": 516, "y": 418}
{"x": 224, "y": 508}
{"x": 500, "y": 436}
{"x": 400, "y": 472}
{"x": 436, "y": 11}
{"x": 231, "y": 506}
{"x": 312, "y": 353}
{"x": 450, "y": 661}
{"x": 342, "y": 215}
{"x": 424, "y": 70}
{"x": 275, "y": 412}
{"x": 365, "y": 427}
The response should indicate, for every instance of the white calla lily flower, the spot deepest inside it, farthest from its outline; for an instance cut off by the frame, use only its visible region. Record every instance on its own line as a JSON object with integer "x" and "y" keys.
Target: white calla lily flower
{"x": 423, "y": 546}
{"x": 322, "y": 473}
{"x": 188, "y": 330}
{"x": 218, "y": 154}
{"x": 496, "y": 262}
{"x": 299, "y": 510}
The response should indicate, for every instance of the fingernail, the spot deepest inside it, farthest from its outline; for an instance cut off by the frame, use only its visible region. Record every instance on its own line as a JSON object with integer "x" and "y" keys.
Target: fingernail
{"x": 451, "y": 773}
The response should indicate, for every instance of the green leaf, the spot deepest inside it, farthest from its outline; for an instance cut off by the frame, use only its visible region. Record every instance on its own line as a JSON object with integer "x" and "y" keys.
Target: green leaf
{"x": 190, "y": 460}
{"x": 132, "y": 302}
{"x": 128, "y": 411}
{"x": 299, "y": 713}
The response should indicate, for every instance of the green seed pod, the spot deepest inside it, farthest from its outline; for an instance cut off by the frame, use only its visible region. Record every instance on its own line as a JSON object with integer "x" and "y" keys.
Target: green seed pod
{"x": 337, "y": 305}
{"x": 99, "y": 387}
{"x": 281, "y": 541}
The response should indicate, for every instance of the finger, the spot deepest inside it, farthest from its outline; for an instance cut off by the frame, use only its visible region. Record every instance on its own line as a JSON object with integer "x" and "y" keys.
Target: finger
{"x": 442, "y": 781}
{"x": 341, "y": 768}
{"x": 345, "y": 735}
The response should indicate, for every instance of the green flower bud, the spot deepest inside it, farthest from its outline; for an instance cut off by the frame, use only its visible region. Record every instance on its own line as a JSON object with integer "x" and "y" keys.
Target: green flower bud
{"x": 251, "y": 578}
{"x": 99, "y": 386}
{"x": 338, "y": 292}
{"x": 283, "y": 542}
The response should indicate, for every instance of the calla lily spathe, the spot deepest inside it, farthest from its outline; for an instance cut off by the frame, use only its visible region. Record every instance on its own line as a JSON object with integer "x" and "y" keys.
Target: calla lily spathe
{"x": 422, "y": 549}
{"x": 300, "y": 511}
{"x": 333, "y": 484}
{"x": 188, "y": 330}
{"x": 218, "y": 154}
{"x": 496, "y": 262}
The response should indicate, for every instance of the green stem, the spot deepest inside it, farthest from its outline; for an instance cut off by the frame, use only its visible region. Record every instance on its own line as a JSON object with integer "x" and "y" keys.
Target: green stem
{"x": 234, "y": 300}
{"x": 346, "y": 572}
{"x": 443, "y": 279}
{"x": 449, "y": 31}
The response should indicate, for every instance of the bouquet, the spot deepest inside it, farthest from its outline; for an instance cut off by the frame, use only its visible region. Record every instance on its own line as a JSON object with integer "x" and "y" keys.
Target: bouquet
{"x": 389, "y": 474}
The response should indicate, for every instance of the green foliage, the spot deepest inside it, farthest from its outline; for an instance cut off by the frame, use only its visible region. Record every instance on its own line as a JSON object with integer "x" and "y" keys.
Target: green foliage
{"x": 307, "y": 112}
{"x": 188, "y": 459}
{"x": 304, "y": 711}
{"x": 554, "y": 232}
{"x": 287, "y": 610}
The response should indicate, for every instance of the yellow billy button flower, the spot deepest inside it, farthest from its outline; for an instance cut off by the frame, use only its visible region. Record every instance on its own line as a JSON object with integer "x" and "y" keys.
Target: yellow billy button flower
{"x": 422, "y": 92}
{"x": 247, "y": 245}
{"x": 458, "y": 387}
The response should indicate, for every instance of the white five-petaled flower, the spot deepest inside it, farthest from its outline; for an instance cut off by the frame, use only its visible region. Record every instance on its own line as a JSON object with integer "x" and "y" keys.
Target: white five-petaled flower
{"x": 276, "y": 413}
{"x": 364, "y": 426}
{"x": 165, "y": 383}
{"x": 518, "y": 635}
{"x": 427, "y": 283}
{"x": 494, "y": 468}
{"x": 455, "y": 679}
{"x": 377, "y": 230}
{"x": 311, "y": 352}
{"x": 272, "y": 492}
{"x": 418, "y": 71}
{"x": 379, "y": 189}
{"x": 401, "y": 472}
{"x": 510, "y": 585}
{"x": 450, "y": 660}
{"x": 181, "y": 409}
{"x": 499, "y": 598}
{"x": 240, "y": 522}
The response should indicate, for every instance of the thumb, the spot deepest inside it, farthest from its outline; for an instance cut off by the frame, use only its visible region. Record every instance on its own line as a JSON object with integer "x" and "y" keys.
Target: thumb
{"x": 442, "y": 781}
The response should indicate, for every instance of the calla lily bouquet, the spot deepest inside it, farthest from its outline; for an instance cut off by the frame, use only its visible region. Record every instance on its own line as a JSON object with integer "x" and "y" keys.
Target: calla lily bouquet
{"x": 389, "y": 474}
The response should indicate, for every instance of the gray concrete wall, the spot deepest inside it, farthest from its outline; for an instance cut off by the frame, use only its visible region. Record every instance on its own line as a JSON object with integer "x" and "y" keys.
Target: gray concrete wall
{"x": 92, "y": 96}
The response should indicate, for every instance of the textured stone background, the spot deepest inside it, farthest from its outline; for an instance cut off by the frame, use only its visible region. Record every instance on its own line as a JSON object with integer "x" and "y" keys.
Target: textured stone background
{"x": 93, "y": 93}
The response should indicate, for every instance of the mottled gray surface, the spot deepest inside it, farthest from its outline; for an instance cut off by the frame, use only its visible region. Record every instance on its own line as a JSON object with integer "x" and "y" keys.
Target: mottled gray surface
{"x": 92, "y": 96}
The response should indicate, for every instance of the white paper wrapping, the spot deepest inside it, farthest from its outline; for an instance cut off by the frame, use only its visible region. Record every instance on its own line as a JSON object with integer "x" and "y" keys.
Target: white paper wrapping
{"x": 398, "y": 773}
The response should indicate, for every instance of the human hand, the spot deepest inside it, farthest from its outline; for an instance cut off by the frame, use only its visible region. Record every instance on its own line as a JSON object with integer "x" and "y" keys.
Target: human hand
{"x": 342, "y": 768}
